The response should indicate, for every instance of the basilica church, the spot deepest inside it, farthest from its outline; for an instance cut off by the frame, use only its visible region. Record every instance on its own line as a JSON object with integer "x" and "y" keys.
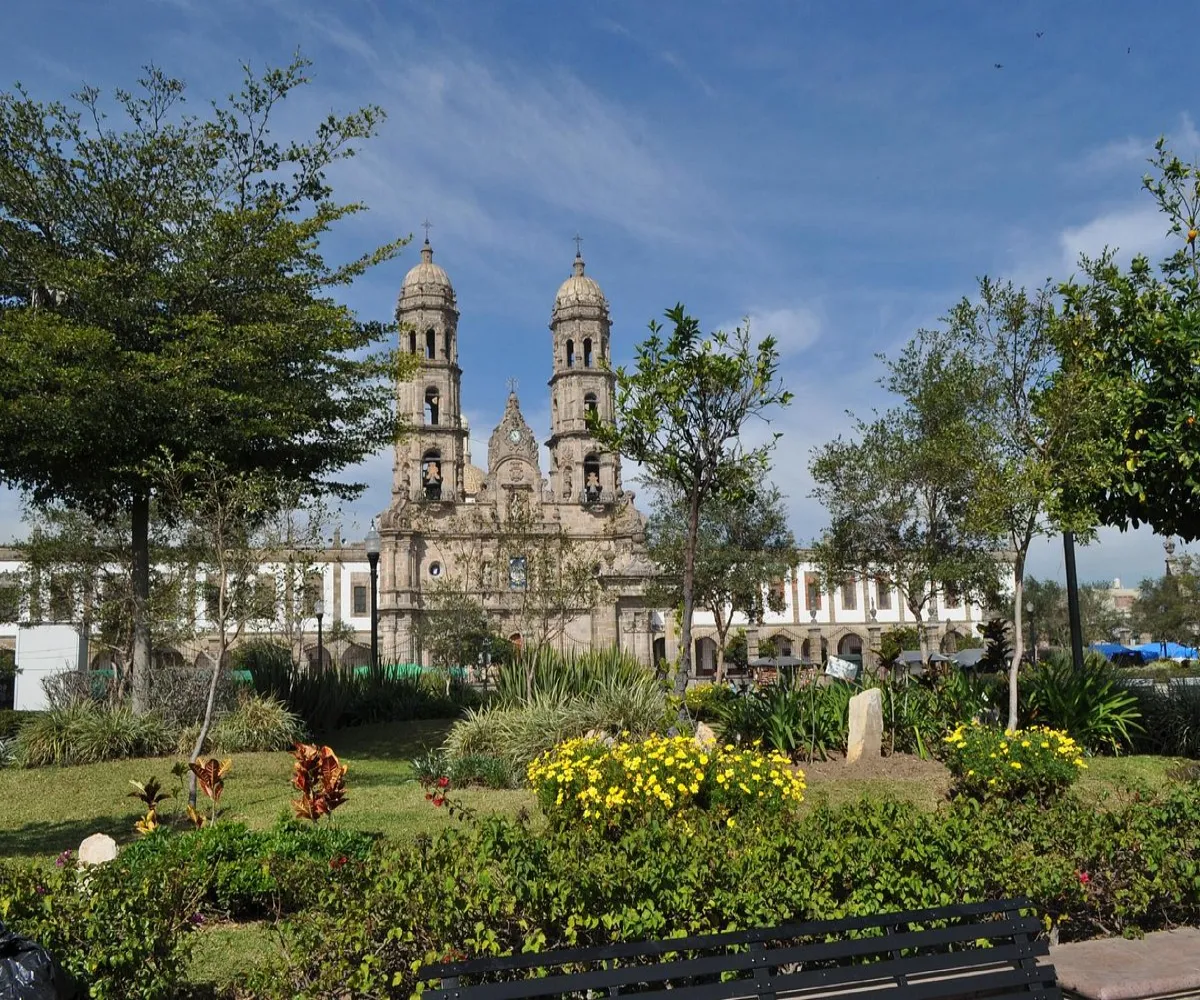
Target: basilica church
{"x": 508, "y": 537}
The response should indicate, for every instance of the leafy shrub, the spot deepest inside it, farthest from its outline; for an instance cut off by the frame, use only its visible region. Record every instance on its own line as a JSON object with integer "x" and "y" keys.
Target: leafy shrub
{"x": 1124, "y": 869}
{"x": 79, "y": 687}
{"x": 706, "y": 701}
{"x": 121, "y": 929}
{"x": 987, "y": 761}
{"x": 807, "y": 720}
{"x": 179, "y": 693}
{"x": 256, "y": 724}
{"x": 1091, "y": 704}
{"x": 588, "y": 781}
{"x": 1171, "y": 719}
{"x": 335, "y": 697}
{"x": 248, "y": 874}
{"x": 11, "y": 722}
{"x": 475, "y": 769}
{"x": 87, "y": 734}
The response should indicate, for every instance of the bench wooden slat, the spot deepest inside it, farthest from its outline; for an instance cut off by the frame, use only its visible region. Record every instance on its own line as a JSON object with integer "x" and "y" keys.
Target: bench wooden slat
{"x": 821, "y": 951}
{"x": 649, "y": 948}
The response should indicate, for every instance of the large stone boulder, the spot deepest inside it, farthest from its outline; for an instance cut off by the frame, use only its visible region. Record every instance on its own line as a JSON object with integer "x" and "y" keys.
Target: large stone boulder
{"x": 866, "y": 726}
{"x": 705, "y": 737}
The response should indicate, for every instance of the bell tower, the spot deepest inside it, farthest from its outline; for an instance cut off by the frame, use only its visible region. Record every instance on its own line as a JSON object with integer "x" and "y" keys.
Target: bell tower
{"x": 582, "y": 382}
{"x": 430, "y": 460}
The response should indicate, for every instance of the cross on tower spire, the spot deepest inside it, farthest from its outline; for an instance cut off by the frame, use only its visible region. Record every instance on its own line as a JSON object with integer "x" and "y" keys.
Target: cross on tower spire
{"x": 578, "y": 245}
{"x": 427, "y": 225}
{"x": 512, "y": 385}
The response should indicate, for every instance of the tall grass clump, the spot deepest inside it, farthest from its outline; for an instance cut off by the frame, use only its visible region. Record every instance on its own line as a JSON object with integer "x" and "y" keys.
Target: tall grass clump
{"x": 1093, "y": 705}
{"x": 255, "y": 725}
{"x": 85, "y": 733}
{"x": 1171, "y": 719}
{"x": 604, "y": 691}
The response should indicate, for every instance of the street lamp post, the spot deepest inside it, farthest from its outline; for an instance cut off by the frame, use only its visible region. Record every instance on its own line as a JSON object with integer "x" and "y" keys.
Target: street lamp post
{"x": 1032, "y": 633}
{"x": 373, "y": 545}
{"x": 319, "y": 611}
{"x": 1162, "y": 642}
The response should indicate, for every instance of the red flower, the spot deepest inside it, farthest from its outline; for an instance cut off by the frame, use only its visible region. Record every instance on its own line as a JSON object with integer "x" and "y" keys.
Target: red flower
{"x": 443, "y": 782}
{"x": 1084, "y": 877}
{"x": 336, "y": 863}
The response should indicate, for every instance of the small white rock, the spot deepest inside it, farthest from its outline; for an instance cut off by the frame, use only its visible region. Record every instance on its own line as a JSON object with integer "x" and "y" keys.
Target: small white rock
{"x": 97, "y": 849}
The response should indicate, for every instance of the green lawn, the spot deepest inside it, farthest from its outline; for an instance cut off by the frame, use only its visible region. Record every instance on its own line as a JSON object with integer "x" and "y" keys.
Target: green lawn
{"x": 50, "y": 809}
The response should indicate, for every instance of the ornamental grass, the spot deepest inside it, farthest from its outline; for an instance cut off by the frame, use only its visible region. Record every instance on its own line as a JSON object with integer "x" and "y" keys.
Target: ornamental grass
{"x": 588, "y": 781}
{"x": 987, "y": 762}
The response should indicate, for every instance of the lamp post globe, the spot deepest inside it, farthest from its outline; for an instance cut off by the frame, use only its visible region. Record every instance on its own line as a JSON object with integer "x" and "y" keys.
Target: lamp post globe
{"x": 373, "y": 544}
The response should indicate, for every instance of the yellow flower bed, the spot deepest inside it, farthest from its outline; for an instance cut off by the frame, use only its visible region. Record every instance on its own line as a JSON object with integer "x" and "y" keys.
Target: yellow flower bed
{"x": 988, "y": 762}
{"x": 586, "y": 781}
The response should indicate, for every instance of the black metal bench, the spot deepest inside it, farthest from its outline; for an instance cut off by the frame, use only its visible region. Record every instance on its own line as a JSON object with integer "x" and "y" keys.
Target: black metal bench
{"x": 969, "y": 950}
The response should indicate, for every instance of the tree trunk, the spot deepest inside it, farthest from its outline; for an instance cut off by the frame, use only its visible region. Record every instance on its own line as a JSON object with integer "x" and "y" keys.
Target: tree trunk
{"x": 722, "y": 632}
{"x": 689, "y": 579}
{"x": 140, "y": 553}
{"x": 1018, "y": 650}
{"x": 206, "y": 724}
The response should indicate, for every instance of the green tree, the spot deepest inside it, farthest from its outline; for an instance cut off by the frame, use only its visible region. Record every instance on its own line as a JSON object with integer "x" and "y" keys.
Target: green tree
{"x": 898, "y": 497}
{"x": 454, "y": 627}
{"x": 1028, "y": 439}
{"x": 163, "y": 296}
{"x": 895, "y": 641}
{"x": 743, "y": 551}
{"x": 1099, "y": 618}
{"x": 684, "y": 412}
{"x": 1168, "y": 609}
{"x": 1134, "y": 347}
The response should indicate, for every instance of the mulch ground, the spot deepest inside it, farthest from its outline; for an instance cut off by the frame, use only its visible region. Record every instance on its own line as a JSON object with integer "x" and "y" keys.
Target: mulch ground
{"x": 895, "y": 767}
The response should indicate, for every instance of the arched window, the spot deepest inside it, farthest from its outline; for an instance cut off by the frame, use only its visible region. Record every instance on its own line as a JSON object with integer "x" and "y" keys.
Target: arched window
{"x": 589, "y": 403}
{"x": 570, "y": 353}
{"x": 591, "y": 478}
{"x": 446, "y": 340}
{"x": 431, "y": 474}
{"x": 412, "y": 341}
{"x": 429, "y": 344}
{"x": 431, "y": 406}
{"x": 587, "y": 352}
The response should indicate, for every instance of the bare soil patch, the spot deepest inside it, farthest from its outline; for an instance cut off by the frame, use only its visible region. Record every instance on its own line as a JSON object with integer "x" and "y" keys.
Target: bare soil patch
{"x": 895, "y": 767}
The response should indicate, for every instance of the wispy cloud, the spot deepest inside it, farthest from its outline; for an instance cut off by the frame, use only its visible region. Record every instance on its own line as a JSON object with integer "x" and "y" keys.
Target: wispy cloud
{"x": 794, "y": 328}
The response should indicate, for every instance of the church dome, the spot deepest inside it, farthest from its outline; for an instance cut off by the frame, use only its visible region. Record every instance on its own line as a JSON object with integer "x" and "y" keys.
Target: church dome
{"x": 579, "y": 290}
{"x": 427, "y": 278}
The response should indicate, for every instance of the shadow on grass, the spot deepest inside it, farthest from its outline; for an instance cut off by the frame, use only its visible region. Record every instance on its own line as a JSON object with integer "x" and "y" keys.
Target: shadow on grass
{"x": 392, "y": 741}
{"x": 49, "y": 839}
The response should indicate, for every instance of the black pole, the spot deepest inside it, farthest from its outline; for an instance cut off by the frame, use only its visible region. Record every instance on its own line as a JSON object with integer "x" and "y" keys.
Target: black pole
{"x": 1032, "y": 639}
{"x": 1073, "y": 601}
{"x": 373, "y": 557}
{"x": 320, "y": 644}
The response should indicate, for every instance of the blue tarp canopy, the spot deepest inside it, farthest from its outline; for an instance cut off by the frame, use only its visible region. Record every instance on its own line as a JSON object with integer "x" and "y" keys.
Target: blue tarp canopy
{"x": 1112, "y": 649}
{"x": 1171, "y": 650}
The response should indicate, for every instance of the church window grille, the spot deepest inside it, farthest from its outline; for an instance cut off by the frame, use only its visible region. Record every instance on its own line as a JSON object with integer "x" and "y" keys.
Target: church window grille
{"x": 359, "y": 598}
{"x": 883, "y": 596}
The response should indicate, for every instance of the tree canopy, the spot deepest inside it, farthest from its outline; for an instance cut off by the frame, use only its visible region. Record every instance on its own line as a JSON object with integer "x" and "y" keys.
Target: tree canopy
{"x": 1134, "y": 346}
{"x": 684, "y": 410}
{"x": 164, "y": 297}
{"x": 743, "y": 549}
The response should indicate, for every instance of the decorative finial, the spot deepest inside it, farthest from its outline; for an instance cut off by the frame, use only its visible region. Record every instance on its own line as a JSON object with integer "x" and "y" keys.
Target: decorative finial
{"x": 512, "y": 386}
{"x": 427, "y": 225}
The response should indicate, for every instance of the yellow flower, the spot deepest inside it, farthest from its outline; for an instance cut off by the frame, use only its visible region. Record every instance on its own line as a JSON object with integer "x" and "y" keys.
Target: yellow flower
{"x": 1015, "y": 765}
{"x": 730, "y": 822}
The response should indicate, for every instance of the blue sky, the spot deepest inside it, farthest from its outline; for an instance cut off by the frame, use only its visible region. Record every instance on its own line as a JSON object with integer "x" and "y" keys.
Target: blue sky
{"x": 840, "y": 173}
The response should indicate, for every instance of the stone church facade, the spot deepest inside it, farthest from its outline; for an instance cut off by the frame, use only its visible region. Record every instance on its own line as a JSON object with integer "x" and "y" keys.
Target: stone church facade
{"x": 495, "y": 535}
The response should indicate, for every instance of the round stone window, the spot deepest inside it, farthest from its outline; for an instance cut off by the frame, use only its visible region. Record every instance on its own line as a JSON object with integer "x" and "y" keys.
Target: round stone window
{"x": 435, "y": 569}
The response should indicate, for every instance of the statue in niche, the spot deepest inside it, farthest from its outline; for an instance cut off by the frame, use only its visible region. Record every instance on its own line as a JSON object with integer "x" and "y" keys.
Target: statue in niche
{"x": 568, "y": 482}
